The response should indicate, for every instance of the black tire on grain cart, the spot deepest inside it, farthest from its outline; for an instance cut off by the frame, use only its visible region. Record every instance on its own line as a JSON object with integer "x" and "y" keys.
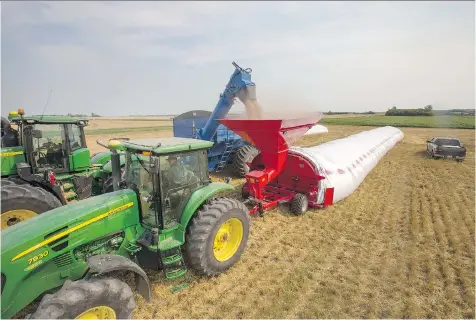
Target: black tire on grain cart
{"x": 103, "y": 298}
{"x": 242, "y": 156}
{"x": 22, "y": 202}
{"x": 245, "y": 193}
{"x": 299, "y": 204}
{"x": 217, "y": 236}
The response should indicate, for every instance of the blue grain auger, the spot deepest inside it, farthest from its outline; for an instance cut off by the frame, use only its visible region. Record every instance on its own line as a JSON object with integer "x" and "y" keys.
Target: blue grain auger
{"x": 229, "y": 148}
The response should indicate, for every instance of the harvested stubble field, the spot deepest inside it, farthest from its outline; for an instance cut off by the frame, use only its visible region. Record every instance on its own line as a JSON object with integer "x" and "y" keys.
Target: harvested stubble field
{"x": 401, "y": 246}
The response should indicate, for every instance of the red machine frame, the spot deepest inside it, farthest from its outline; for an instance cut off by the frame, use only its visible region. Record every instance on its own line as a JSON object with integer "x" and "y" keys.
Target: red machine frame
{"x": 266, "y": 183}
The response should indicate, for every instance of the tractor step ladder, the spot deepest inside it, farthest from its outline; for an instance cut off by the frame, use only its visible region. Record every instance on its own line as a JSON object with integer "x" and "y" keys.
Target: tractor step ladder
{"x": 68, "y": 188}
{"x": 173, "y": 263}
{"x": 229, "y": 147}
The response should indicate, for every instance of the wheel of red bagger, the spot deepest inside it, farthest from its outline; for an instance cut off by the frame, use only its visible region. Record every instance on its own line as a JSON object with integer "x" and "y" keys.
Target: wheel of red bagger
{"x": 244, "y": 192}
{"x": 299, "y": 204}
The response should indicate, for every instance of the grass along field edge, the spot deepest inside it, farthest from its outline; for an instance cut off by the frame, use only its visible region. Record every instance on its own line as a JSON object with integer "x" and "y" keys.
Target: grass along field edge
{"x": 122, "y": 130}
{"x": 457, "y": 122}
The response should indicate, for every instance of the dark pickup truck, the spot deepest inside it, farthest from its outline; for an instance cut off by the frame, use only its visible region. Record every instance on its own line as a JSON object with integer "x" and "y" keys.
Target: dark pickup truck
{"x": 440, "y": 147}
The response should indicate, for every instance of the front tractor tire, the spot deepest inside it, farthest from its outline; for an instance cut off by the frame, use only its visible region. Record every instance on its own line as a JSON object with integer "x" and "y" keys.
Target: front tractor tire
{"x": 217, "y": 236}
{"x": 22, "y": 202}
{"x": 96, "y": 298}
{"x": 242, "y": 156}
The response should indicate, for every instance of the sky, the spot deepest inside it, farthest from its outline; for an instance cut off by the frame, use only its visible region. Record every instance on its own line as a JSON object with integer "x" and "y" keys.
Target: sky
{"x": 142, "y": 58}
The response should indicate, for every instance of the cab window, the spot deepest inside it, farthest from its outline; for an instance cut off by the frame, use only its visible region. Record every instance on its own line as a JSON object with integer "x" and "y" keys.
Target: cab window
{"x": 48, "y": 145}
{"x": 74, "y": 136}
{"x": 139, "y": 177}
{"x": 181, "y": 175}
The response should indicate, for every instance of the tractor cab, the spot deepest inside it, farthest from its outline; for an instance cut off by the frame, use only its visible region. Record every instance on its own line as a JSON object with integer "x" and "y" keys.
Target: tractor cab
{"x": 164, "y": 172}
{"x": 52, "y": 143}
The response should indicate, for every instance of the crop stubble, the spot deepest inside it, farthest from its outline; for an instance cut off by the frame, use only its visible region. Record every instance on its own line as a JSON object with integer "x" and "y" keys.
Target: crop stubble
{"x": 401, "y": 246}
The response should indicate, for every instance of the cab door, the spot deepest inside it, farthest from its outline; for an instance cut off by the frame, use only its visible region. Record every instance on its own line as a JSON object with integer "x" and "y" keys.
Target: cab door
{"x": 79, "y": 154}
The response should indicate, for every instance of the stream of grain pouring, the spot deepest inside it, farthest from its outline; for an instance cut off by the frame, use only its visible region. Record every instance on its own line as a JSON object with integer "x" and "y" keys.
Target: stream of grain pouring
{"x": 247, "y": 95}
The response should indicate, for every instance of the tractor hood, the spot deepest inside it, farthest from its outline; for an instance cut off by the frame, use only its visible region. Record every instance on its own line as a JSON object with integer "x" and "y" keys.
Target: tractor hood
{"x": 100, "y": 214}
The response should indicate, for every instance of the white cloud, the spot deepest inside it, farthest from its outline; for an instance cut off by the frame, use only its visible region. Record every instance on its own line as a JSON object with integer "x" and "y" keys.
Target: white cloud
{"x": 333, "y": 55}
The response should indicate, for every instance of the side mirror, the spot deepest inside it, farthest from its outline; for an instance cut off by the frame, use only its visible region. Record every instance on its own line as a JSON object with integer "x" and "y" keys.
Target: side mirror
{"x": 38, "y": 134}
{"x": 428, "y": 141}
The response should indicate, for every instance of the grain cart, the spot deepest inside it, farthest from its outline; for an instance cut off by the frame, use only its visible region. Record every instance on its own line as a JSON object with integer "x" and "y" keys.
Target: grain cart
{"x": 45, "y": 164}
{"x": 163, "y": 207}
{"x": 307, "y": 177}
{"x": 229, "y": 148}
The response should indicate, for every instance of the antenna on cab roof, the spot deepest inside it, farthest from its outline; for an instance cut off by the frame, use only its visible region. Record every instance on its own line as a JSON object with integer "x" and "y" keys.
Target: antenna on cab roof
{"x": 44, "y": 109}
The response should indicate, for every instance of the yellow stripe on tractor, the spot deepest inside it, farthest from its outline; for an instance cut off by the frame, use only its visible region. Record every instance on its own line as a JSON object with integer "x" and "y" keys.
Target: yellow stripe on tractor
{"x": 79, "y": 226}
{"x": 11, "y": 154}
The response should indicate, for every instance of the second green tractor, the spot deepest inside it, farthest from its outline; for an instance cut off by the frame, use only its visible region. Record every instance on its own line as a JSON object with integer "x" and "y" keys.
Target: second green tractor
{"x": 45, "y": 163}
{"x": 164, "y": 214}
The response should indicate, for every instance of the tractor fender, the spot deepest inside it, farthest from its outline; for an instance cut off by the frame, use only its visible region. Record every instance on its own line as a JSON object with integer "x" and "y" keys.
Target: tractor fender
{"x": 199, "y": 197}
{"x": 24, "y": 173}
{"x": 108, "y": 166}
{"x": 104, "y": 263}
{"x": 101, "y": 157}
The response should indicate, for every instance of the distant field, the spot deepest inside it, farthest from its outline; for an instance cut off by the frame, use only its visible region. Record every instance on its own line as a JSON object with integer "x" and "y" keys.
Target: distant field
{"x": 131, "y": 118}
{"x": 459, "y": 122}
{"x": 121, "y": 130}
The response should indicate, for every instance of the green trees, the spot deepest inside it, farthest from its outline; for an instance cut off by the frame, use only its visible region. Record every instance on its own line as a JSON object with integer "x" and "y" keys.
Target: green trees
{"x": 426, "y": 111}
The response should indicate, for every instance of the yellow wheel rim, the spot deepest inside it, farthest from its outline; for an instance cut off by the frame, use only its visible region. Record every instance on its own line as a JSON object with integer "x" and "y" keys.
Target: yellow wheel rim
{"x": 101, "y": 312}
{"x": 12, "y": 217}
{"x": 228, "y": 239}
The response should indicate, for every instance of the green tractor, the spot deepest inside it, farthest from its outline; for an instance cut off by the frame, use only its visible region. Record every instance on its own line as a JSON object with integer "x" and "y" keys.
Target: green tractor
{"x": 45, "y": 164}
{"x": 165, "y": 214}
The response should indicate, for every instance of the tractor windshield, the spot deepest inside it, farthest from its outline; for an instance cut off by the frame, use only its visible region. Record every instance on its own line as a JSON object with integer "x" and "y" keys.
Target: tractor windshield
{"x": 48, "y": 144}
{"x": 181, "y": 174}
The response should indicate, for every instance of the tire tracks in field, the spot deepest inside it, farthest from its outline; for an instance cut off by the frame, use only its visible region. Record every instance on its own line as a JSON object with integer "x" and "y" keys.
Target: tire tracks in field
{"x": 386, "y": 225}
{"x": 446, "y": 252}
{"x": 370, "y": 222}
{"x": 464, "y": 250}
{"x": 307, "y": 267}
{"x": 432, "y": 289}
{"x": 340, "y": 222}
{"x": 262, "y": 253}
{"x": 466, "y": 206}
{"x": 413, "y": 259}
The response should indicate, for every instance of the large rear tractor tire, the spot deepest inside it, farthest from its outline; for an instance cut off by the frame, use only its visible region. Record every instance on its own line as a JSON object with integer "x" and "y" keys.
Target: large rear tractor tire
{"x": 242, "y": 156}
{"x": 96, "y": 298}
{"x": 12, "y": 181}
{"x": 217, "y": 236}
{"x": 22, "y": 202}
